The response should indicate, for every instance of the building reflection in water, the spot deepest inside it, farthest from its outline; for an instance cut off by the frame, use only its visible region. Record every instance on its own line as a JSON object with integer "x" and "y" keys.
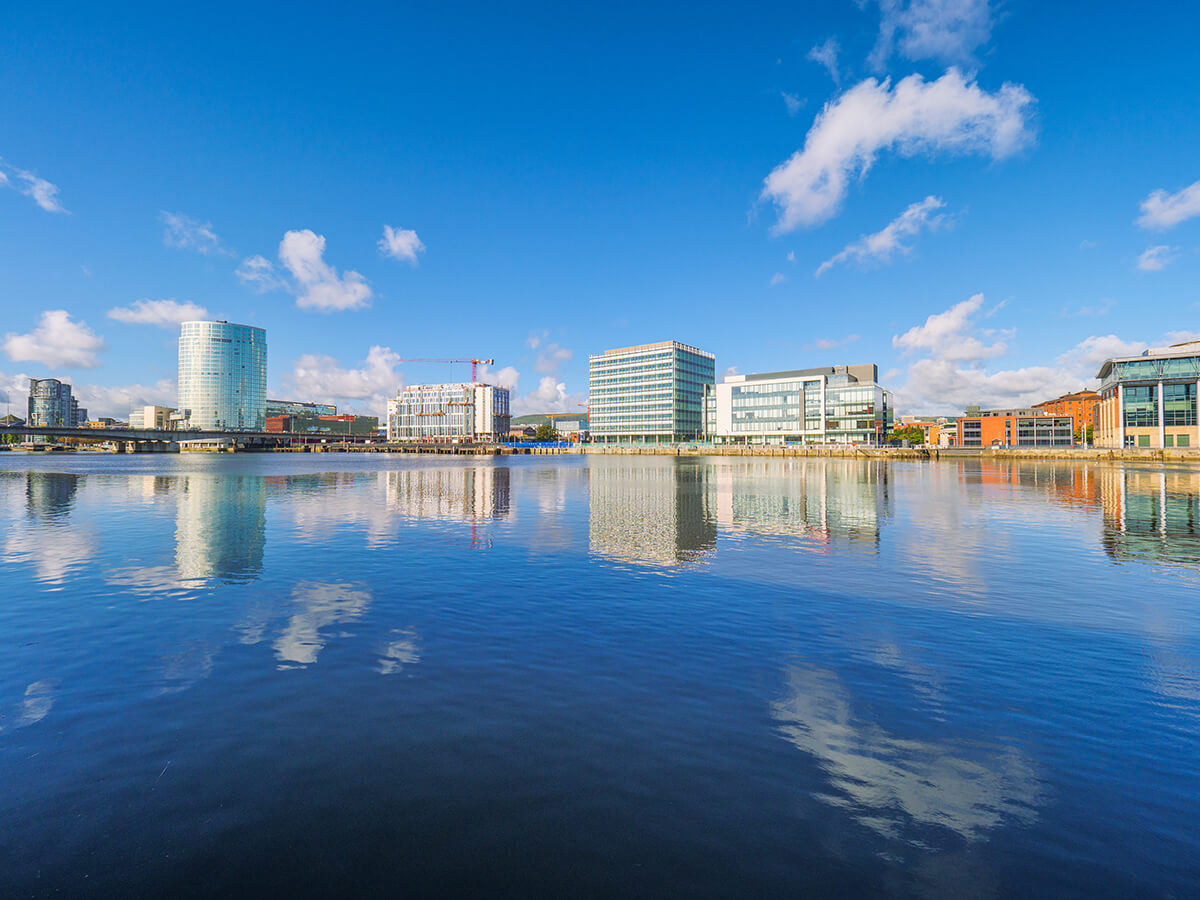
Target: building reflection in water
{"x": 46, "y": 539}
{"x": 1151, "y": 516}
{"x": 220, "y": 526}
{"x": 899, "y": 786}
{"x": 649, "y": 513}
{"x": 821, "y": 501}
{"x": 473, "y": 493}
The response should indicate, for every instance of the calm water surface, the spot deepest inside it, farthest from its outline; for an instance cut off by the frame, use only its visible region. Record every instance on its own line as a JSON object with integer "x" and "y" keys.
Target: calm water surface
{"x": 314, "y": 676}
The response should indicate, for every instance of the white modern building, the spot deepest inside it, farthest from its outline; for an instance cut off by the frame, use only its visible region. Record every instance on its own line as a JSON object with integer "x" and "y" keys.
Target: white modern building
{"x": 648, "y": 393}
{"x": 222, "y": 377}
{"x": 470, "y": 411}
{"x": 826, "y": 405}
{"x": 151, "y": 417}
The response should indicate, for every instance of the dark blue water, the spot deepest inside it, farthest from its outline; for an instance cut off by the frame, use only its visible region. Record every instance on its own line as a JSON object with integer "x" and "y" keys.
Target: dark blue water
{"x": 314, "y": 676}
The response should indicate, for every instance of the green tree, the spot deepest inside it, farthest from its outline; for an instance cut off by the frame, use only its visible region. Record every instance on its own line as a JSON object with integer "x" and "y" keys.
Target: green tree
{"x": 910, "y": 433}
{"x": 545, "y": 433}
{"x": 1079, "y": 436}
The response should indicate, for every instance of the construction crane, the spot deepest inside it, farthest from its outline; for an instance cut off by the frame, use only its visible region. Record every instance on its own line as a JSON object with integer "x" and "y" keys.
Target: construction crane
{"x": 473, "y": 362}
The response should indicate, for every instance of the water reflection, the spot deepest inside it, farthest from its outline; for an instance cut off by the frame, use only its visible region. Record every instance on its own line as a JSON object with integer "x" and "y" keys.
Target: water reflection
{"x": 1151, "y": 516}
{"x": 824, "y": 502}
{"x": 900, "y": 786}
{"x": 220, "y": 526}
{"x": 45, "y": 539}
{"x": 318, "y": 606}
{"x": 649, "y": 513}
{"x": 457, "y": 494}
{"x": 50, "y": 495}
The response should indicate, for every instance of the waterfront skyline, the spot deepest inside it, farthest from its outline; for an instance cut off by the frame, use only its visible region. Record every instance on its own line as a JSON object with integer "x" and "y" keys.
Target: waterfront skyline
{"x": 526, "y": 199}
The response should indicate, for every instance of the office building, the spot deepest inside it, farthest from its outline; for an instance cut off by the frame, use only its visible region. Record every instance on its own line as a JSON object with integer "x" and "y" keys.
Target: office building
{"x": 323, "y": 425}
{"x": 51, "y": 405}
{"x": 826, "y": 405}
{"x": 651, "y": 393}
{"x": 299, "y": 408}
{"x": 1150, "y": 400}
{"x": 1014, "y": 428}
{"x": 449, "y": 412}
{"x": 158, "y": 417}
{"x": 1081, "y": 406}
{"x": 222, "y": 376}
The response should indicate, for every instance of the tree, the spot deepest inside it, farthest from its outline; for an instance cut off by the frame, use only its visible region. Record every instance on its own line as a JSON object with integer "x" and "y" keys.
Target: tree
{"x": 911, "y": 433}
{"x": 1079, "y": 436}
{"x": 545, "y": 433}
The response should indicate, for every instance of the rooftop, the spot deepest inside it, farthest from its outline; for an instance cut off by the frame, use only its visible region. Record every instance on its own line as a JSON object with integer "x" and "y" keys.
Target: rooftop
{"x": 661, "y": 345}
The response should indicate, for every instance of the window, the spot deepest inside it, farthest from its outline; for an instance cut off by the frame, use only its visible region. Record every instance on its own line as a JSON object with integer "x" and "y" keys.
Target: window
{"x": 1141, "y": 406}
{"x": 1182, "y": 440}
{"x": 1169, "y": 440}
{"x": 1143, "y": 440}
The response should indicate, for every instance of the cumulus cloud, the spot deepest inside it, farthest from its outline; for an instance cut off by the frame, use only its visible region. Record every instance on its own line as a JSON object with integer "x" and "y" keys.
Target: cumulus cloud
{"x": 826, "y": 54}
{"x": 58, "y": 340}
{"x": 952, "y": 114}
{"x": 163, "y": 313}
{"x": 318, "y": 284}
{"x": 401, "y": 243}
{"x": 364, "y": 389}
{"x": 949, "y": 31}
{"x": 259, "y": 274}
{"x": 1161, "y": 210}
{"x": 43, "y": 193}
{"x": 880, "y": 246}
{"x": 185, "y": 233}
{"x": 549, "y": 396}
{"x": 952, "y": 372}
{"x": 1155, "y": 259}
{"x": 507, "y": 377}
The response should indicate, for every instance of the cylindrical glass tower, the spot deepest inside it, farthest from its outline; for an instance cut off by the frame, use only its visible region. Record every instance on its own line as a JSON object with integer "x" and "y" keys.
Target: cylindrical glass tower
{"x": 223, "y": 376}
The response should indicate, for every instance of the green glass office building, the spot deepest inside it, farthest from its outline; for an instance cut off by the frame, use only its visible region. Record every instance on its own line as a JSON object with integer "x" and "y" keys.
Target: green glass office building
{"x": 651, "y": 393}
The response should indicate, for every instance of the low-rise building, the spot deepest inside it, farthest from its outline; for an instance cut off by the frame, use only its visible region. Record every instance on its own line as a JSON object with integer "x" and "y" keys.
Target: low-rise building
{"x": 102, "y": 422}
{"x": 333, "y": 426}
{"x": 449, "y": 412}
{"x": 1014, "y": 428}
{"x": 1150, "y": 400}
{"x": 153, "y": 417}
{"x": 1081, "y": 406}
{"x": 299, "y": 408}
{"x": 826, "y": 405}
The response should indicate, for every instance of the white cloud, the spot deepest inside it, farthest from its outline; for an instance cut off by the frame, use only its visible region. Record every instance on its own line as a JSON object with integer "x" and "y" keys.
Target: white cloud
{"x": 185, "y": 233}
{"x": 951, "y": 114}
{"x": 508, "y": 377}
{"x": 1181, "y": 337}
{"x": 163, "y": 313}
{"x": 44, "y": 193}
{"x": 401, "y": 243}
{"x": 791, "y": 256}
{"x": 1155, "y": 259}
{"x": 778, "y": 278}
{"x": 549, "y": 396}
{"x": 793, "y": 103}
{"x": 882, "y": 244}
{"x": 551, "y": 357}
{"x": 1091, "y": 309}
{"x": 318, "y": 284}
{"x": 949, "y": 31}
{"x": 832, "y": 343}
{"x": 258, "y": 273}
{"x": 826, "y": 54}
{"x": 56, "y": 341}
{"x": 952, "y": 372}
{"x": 365, "y": 389}
{"x": 731, "y": 370}
{"x": 1161, "y": 210}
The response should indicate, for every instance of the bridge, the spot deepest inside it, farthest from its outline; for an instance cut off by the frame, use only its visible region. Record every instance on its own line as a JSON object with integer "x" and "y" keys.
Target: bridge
{"x": 156, "y": 440}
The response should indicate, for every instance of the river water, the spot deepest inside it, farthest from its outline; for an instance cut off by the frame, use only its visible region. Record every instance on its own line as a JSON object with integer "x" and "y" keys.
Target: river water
{"x": 344, "y": 675}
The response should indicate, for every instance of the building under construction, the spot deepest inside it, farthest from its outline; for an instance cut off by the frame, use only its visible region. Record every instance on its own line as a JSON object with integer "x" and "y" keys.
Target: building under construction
{"x": 449, "y": 412}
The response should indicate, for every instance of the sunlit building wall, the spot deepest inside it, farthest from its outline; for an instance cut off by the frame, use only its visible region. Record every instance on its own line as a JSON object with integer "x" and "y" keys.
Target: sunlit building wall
{"x": 1149, "y": 401}
{"x": 222, "y": 376}
{"x": 649, "y": 393}
{"x": 448, "y": 412}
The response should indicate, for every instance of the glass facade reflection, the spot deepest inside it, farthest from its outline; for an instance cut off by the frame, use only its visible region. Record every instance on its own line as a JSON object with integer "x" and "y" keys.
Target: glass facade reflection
{"x": 223, "y": 376}
{"x": 1149, "y": 401}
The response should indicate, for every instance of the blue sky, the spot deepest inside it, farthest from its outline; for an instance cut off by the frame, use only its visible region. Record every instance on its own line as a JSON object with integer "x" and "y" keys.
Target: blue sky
{"x": 996, "y": 195}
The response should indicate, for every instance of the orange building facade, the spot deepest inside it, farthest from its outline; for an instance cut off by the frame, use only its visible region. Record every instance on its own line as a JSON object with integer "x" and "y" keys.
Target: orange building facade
{"x": 1081, "y": 406}
{"x": 1016, "y": 430}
